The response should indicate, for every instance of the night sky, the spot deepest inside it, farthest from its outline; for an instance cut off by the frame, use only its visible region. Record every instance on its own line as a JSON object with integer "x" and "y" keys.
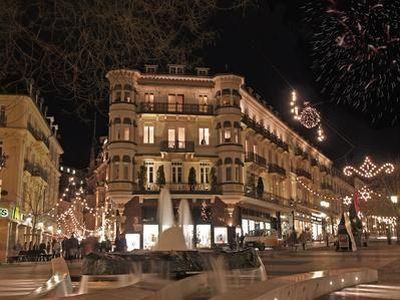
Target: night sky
{"x": 268, "y": 45}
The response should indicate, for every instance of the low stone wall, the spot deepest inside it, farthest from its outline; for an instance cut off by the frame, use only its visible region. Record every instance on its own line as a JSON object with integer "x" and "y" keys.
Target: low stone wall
{"x": 303, "y": 286}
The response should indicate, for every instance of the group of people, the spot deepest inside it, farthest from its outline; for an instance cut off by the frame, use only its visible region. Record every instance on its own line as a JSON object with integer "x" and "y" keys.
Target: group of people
{"x": 32, "y": 248}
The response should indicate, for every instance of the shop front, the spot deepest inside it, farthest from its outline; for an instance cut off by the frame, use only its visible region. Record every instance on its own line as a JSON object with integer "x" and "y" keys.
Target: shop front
{"x": 256, "y": 220}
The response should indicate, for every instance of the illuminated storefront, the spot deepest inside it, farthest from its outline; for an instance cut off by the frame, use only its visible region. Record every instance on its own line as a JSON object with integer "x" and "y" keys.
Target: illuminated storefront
{"x": 203, "y": 235}
{"x": 150, "y": 235}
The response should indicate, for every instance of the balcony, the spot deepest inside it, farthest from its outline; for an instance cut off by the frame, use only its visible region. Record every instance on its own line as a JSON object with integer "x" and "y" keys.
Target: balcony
{"x": 260, "y": 129}
{"x": 259, "y": 160}
{"x": 180, "y": 188}
{"x": 38, "y": 135}
{"x": 177, "y": 108}
{"x": 177, "y": 146}
{"x": 35, "y": 170}
{"x": 275, "y": 169}
{"x": 303, "y": 173}
{"x": 269, "y": 197}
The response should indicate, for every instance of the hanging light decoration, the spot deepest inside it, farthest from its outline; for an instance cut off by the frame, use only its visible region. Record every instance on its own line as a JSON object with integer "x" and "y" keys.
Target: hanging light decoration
{"x": 309, "y": 117}
{"x": 368, "y": 169}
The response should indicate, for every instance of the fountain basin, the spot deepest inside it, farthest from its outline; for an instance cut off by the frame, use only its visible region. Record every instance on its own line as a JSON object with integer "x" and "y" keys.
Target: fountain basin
{"x": 176, "y": 264}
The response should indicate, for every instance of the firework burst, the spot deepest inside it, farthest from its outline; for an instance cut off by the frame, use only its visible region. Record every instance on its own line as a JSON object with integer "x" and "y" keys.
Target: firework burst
{"x": 356, "y": 50}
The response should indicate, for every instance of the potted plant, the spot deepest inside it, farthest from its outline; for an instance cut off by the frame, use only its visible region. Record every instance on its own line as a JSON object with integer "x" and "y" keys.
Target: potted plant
{"x": 142, "y": 178}
{"x": 213, "y": 180}
{"x": 160, "y": 180}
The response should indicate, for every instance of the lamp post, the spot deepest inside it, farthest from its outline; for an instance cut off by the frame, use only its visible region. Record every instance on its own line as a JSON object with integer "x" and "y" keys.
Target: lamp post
{"x": 395, "y": 201}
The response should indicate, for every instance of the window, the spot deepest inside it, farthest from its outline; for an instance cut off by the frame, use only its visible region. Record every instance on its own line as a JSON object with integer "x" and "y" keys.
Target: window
{"x": 237, "y": 173}
{"x": 204, "y": 136}
{"x": 175, "y": 102}
{"x": 125, "y": 171}
{"x": 149, "y": 171}
{"x": 203, "y": 101}
{"x": 149, "y": 98}
{"x": 204, "y": 173}
{"x": 229, "y": 173}
{"x": 148, "y": 134}
{"x": 126, "y": 133}
{"x": 177, "y": 172}
{"x": 255, "y": 149}
{"x": 246, "y": 146}
{"x": 227, "y": 135}
{"x": 116, "y": 163}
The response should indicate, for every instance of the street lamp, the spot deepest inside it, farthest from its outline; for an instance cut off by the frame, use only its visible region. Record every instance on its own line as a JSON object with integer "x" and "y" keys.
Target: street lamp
{"x": 395, "y": 200}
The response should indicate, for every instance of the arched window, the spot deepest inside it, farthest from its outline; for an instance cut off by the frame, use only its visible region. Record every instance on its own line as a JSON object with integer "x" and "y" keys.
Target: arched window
{"x": 117, "y": 129}
{"x": 125, "y": 170}
{"x": 228, "y": 169}
{"x": 127, "y": 93}
{"x": 127, "y": 129}
{"x": 117, "y": 93}
{"x": 115, "y": 167}
{"x": 228, "y": 161}
{"x": 117, "y": 121}
{"x": 227, "y": 132}
{"x": 236, "y": 132}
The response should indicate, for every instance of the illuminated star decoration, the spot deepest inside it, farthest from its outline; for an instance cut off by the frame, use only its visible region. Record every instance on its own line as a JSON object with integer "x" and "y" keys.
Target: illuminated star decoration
{"x": 308, "y": 116}
{"x": 365, "y": 193}
{"x": 368, "y": 169}
{"x": 347, "y": 200}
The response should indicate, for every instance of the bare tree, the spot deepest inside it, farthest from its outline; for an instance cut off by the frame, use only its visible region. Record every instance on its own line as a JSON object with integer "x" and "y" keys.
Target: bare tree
{"x": 67, "y": 46}
{"x": 37, "y": 207}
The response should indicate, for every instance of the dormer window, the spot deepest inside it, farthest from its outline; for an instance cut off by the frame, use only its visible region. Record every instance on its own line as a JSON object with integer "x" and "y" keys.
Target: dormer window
{"x": 202, "y": 71}
{"x": 151, "y": 68}
{"x": 176, "y": 69}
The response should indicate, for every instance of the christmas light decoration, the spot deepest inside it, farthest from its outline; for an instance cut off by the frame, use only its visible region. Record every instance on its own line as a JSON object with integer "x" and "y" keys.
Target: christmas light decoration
{"x": 309, "y": 117}
{"x": 365, "y": 193}
{"x": 323, "y": 197}
{"x": 294, "y": 108}
{"x": 368, "y": 169}
{"x": 347, "y": 200}
{"x": 320, "y": 134}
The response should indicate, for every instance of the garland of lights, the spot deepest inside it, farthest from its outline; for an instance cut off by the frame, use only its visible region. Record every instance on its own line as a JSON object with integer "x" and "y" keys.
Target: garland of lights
{"x": 315, "y": 193}
{"x": 308, "y": 116}
{"x": 368, "y": 169}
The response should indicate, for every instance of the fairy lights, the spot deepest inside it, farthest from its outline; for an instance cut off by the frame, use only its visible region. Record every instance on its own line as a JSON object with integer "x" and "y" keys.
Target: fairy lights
{"x": 347, "y": 200}
{"x": 368, "y": 169}
{"x": 308, "y": 116}
{"x": 315, "y": 193}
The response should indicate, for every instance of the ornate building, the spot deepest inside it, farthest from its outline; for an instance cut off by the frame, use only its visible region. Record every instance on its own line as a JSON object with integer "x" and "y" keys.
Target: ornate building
{"x": 30, "y": 178}
{"x": 216, "y": 144}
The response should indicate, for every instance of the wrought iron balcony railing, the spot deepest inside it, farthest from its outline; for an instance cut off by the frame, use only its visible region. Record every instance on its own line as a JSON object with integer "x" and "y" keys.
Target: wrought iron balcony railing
{"x": 38, "y": 135}
{"x": 177, "y": 146}
{"x": 303, "y": 173}
{"x": 275, "y": 169}
{"x": 259, "y": 160}
{"x": 260, "y": 129}
{"x": 176, "y": 108}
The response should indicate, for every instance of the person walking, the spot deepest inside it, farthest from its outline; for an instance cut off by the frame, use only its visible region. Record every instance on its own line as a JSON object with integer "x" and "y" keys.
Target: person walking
{"x": 303, "y": 239}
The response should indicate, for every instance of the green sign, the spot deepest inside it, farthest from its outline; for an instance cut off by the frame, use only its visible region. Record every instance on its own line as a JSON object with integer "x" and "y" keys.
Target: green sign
{"x": 3, "y": 212}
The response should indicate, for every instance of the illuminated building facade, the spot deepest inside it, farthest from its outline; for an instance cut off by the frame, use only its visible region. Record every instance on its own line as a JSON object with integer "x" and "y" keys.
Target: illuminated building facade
{"x": 217, "y": 144}
{"x": 30, "y": 178}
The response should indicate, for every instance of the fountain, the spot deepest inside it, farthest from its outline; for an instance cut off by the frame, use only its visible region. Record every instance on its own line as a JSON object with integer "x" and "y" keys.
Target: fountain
{"x": 172, "y": 255}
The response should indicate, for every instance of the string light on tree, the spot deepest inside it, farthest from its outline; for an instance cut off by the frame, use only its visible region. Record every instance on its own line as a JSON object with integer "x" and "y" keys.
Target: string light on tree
{"x": 368, "y": 169}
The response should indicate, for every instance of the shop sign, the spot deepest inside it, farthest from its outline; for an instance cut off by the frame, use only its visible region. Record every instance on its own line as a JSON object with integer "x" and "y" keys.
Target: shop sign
{"x": 3, "y": 212}
{"x": 16, "y": 213}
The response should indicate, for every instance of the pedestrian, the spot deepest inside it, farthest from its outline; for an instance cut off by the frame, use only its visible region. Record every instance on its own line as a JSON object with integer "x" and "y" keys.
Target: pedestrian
{"x": 56, "y": 248}
{"x": 303, "y": 239}
{"x": 48, "y": 247}
{"x": 389, "y": 236}
{"x": 64, "y": 246}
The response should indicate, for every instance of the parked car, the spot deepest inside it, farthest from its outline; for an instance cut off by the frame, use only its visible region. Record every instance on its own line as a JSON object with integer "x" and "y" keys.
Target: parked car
{"x": 262, "y": 238}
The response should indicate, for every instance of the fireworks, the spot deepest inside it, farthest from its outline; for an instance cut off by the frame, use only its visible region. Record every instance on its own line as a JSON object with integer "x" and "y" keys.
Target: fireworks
{"x": 356, "y": 50}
